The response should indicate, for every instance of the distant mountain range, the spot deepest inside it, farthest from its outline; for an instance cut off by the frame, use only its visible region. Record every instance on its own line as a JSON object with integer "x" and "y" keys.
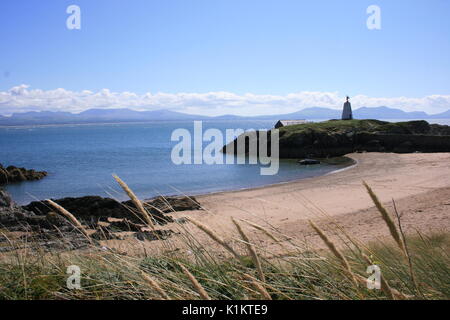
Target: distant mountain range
{"x": 128, "y": 115}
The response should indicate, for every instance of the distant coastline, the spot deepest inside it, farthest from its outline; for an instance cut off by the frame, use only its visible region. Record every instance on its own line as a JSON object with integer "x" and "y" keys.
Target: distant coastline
{"x": 112, "y": 116}
{"x": 443, "y": 121}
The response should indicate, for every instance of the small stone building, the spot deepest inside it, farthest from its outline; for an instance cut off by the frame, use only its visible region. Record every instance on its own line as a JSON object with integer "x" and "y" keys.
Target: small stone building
{"x": 285, "y": 123}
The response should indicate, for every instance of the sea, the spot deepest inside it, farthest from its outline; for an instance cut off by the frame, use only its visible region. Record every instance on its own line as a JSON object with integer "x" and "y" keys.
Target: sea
{"x": 80, "y": 161}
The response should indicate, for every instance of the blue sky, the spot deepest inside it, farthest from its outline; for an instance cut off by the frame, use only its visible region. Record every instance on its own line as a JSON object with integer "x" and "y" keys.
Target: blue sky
{"x": 259, "y": 47}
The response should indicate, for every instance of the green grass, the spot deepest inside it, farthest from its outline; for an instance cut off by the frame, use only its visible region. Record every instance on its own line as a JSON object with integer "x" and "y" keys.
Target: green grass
{"x": 336, "y": 125}
{"x": 112, "y": 276}
{"x": 372, "y": 126}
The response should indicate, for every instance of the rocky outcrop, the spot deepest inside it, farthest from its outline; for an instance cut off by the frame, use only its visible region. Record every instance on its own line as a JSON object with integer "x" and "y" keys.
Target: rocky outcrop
{"x": 13, "y": 174}
{"x": 107, "y": 219}
{"x": 307, "y": 162}
{"x": 336, "y": 138}
{"x": 92, "y": 209}
{"x": 49, "y": 231}
{"x": 16, "y": 218}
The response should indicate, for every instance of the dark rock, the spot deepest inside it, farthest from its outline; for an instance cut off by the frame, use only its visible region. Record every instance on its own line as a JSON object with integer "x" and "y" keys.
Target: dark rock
{"x": 372, "y": 146}
{"x": 49, "y": 230}
{"x": 16, "y": 218}
{"x": 5, "y": 200}
{"x": 405, "y": 147}
{"x": 88, "y": 209}
{"x": 174, "y": 204}
{"x": 373, "y": 143}
{"x": 125, "y": 225}
{"x": 337, "y": 138}
{"x": 91, "y": 209}
{"x": 10, "y": 213}
{"x": 13, "y": 174}
{"x": 306, "y": 162}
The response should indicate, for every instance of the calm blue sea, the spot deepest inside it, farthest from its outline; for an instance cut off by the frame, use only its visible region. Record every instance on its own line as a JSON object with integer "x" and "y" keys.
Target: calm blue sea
{"x": 81, "y": 158}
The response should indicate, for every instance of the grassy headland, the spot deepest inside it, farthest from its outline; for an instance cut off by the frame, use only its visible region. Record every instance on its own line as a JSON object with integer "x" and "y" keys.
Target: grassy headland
{"x": 339, "y": 137}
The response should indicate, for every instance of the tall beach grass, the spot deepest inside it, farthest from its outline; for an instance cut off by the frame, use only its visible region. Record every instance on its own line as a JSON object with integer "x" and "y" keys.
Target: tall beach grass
{"x": 414, "y": 266}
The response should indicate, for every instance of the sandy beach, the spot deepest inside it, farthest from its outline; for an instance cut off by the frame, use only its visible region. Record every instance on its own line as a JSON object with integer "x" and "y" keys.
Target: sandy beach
{"x": 419, "y": 183}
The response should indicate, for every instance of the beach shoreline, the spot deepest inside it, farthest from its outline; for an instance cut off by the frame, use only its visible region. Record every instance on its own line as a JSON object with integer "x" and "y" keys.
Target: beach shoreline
{"x": 344, "y": 163}
{"x": 351, "y": 163}
{"x": 419, "y": 184}
{"x": 362, "y": 161}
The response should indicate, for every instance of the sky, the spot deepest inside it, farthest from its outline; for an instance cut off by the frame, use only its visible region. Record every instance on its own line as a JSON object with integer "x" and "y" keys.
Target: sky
{"x": 217, "y": 57}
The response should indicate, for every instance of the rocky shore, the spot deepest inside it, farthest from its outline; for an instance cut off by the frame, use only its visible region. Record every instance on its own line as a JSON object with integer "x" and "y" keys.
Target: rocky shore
{"x": 13, "y": 174}
{"x": 91, "y": 209}
{"x": 339, "y": 137}
{"x": 105, "y": 218}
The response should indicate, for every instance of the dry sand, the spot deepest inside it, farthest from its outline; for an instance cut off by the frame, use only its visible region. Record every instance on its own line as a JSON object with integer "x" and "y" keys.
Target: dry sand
{"x": 419, "y": 183}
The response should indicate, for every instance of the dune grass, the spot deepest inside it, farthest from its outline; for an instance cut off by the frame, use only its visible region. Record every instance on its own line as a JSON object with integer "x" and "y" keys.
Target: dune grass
{"x": 416, "y": 266}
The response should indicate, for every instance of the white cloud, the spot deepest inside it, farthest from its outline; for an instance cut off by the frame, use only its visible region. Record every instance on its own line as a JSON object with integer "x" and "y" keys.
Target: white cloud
{"x": 21, "y": 99}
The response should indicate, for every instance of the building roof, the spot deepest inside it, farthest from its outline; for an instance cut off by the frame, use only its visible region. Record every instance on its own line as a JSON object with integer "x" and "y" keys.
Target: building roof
{"x": 291, "y": 122}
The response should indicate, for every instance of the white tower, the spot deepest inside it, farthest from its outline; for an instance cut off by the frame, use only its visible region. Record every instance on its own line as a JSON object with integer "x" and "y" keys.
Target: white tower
{"x": 347, "y": 112}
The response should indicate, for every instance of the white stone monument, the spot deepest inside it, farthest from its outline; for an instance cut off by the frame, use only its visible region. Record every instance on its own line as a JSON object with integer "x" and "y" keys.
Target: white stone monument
{"x": 347, "y": 112}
